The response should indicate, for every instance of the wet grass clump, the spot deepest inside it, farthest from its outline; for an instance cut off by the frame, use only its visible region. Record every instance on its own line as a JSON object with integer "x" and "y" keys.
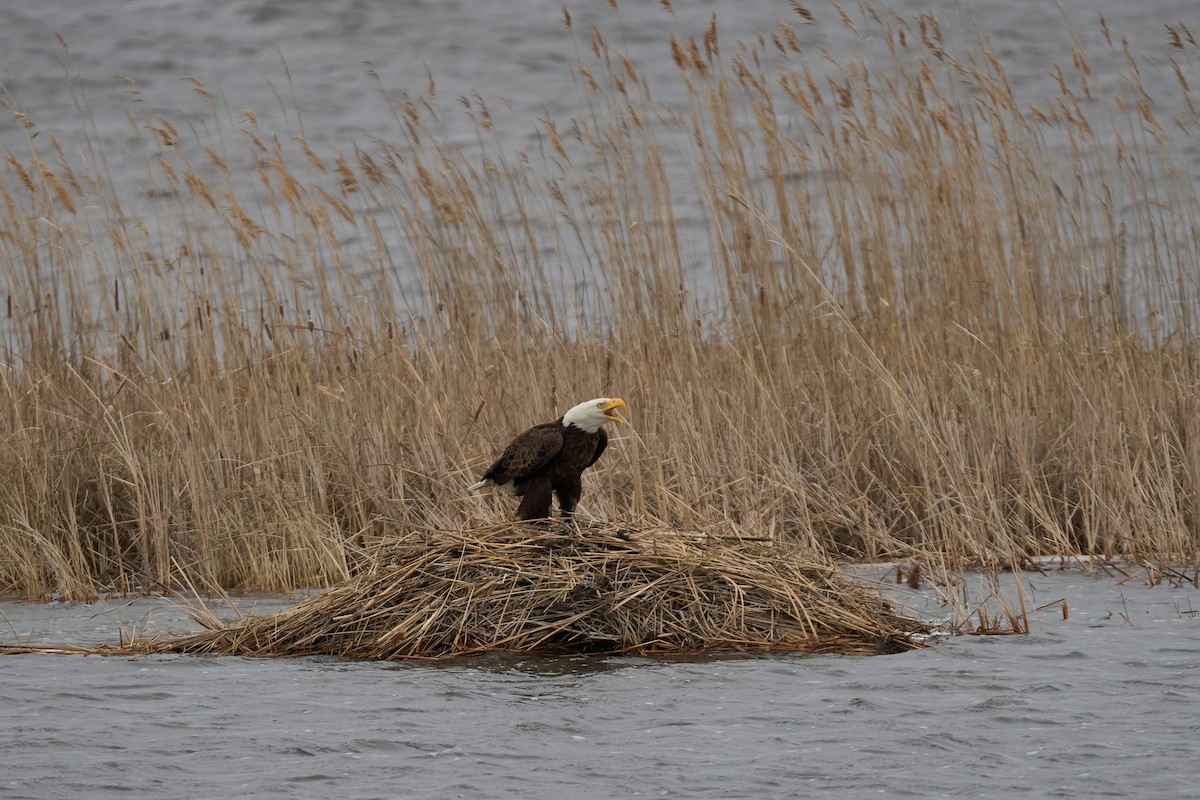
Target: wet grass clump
{"x": 566, "y": 588}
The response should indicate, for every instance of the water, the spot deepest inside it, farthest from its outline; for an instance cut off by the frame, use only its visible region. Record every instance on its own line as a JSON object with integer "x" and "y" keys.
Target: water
{"x": 322, "y": 70}
{"x": 1098, "y": 705}
{"x": 311, "y": 58}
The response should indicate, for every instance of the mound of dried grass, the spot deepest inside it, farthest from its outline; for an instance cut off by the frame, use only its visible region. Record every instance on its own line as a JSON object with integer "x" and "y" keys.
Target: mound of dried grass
{"x": 563, "y": 588}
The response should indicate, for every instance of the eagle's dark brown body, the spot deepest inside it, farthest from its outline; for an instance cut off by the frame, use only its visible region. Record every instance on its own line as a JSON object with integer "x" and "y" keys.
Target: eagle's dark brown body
{"x": 544, "y": 460}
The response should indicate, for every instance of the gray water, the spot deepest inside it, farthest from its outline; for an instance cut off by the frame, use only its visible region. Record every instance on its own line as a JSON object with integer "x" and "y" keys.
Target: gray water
{"x": 322, "y": 69}
{"x": 1101, "y": 704}
{"x": 310, "y": 58}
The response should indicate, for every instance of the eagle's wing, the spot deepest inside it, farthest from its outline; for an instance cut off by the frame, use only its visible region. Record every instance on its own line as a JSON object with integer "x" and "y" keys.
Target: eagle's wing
{"x": 527, "y": 453}
{"x": 600, "y": 445}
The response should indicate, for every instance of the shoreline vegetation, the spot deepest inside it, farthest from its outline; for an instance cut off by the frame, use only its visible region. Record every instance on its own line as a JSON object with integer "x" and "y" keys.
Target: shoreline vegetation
{"x": 930, "y": 336}
{"x": 593, "y": 590}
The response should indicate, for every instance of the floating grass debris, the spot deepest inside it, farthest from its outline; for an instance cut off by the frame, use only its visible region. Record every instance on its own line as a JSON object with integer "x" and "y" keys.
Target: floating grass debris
{"x": 563, "y": 588}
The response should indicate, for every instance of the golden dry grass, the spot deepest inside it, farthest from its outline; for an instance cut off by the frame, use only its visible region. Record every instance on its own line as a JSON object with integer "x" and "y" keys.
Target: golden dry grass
{"x": 566, "y": 589}
{"x": 928, "y": 335}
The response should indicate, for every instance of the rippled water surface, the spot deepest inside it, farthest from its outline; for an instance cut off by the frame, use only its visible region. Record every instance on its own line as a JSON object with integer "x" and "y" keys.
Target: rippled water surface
{"x": 1098, "y": 705}
{"x": 323, "y": 70}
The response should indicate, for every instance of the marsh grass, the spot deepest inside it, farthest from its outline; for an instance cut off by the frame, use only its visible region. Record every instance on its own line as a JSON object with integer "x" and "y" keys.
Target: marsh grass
{"x": 908, "y": 327}
{"x": 568, "y": 588}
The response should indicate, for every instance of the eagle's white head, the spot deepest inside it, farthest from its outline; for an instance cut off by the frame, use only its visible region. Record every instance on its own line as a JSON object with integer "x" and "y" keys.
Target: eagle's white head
{"x": 591, "y": 415}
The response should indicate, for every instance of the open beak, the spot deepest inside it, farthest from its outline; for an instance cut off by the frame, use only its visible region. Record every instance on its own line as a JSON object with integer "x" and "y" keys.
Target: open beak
{"x": 610, "y": 409}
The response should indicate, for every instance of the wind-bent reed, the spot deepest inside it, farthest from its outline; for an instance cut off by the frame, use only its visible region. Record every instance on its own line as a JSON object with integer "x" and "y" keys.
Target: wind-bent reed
{"x": 924, "y": 332}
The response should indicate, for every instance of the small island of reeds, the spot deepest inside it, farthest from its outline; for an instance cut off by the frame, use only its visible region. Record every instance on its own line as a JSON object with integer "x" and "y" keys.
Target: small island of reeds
{"x": 863, "y": 305}
{"x": 563, "y": 587}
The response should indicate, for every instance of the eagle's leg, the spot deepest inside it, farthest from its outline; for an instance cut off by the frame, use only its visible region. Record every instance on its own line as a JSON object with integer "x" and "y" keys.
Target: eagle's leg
{"x": 568, "y": 492}
{"x": 535, "y": 504}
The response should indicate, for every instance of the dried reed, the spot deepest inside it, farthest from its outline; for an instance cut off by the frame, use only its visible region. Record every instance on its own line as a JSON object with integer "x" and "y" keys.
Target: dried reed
{"x": 912, "y": 328}
{"x": 567, "y": 589}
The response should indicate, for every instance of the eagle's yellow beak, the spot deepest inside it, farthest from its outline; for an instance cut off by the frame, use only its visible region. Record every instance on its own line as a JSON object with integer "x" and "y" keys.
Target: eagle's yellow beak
{"x": 610, "y": 409}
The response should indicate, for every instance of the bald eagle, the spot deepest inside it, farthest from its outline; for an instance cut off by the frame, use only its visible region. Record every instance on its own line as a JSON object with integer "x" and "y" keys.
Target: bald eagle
{"x": 551, "y": 457}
